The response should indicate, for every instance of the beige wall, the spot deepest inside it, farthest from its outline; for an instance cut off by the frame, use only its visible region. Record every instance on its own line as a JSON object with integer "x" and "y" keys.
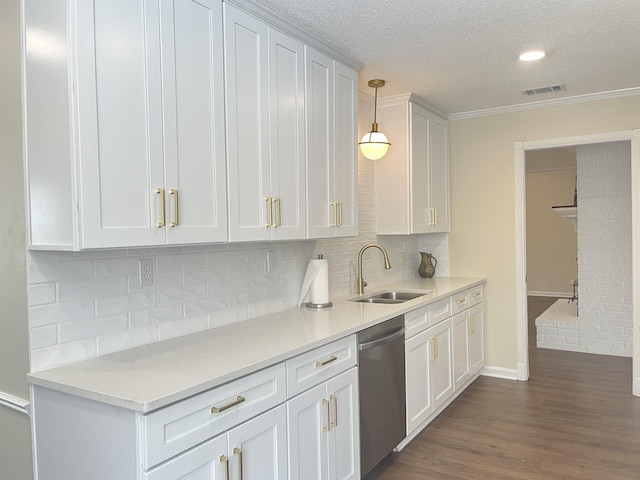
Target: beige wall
{"x": 482, "y": 239}
{"x": 552, "y": 244}
{"x": 15, "y": 444}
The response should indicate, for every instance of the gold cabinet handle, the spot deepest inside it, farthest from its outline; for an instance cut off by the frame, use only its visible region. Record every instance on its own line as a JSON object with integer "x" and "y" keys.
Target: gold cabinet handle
{"x": 238, "y": 452}
{"x": 339, "y": 222}
{"x": 225, "y": 459}
{"x": 327, "y": 427}
{"x": 432, "y": 350}
{"x": 176, "y": 220}
{"x": 332, "y": 358}
{"x": 334, "y": 399}
{"x": 269, "y": 201}
{"x": 460, "y": 301}
{"x": 163, "y": 213}
{"x": 237, "y": 401}
{"x": 276, "y": 200}
{"x": 333, "y": 214}
{"x": 472, "y": 326}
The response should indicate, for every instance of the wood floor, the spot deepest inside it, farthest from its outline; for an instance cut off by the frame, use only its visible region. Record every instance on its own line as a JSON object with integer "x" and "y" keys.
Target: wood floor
{"x": 574, "y": 419}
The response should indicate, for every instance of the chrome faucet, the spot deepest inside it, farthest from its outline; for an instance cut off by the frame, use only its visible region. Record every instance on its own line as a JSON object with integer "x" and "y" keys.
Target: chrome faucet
{"x": 387, "y": 264}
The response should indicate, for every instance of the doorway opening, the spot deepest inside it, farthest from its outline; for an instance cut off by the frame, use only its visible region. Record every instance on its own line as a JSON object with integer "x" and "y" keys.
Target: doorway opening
{"x": 521, "y": 148}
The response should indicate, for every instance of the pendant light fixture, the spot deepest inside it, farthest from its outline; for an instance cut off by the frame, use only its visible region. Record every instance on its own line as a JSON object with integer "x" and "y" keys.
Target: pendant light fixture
{"x": 374, "y": 144}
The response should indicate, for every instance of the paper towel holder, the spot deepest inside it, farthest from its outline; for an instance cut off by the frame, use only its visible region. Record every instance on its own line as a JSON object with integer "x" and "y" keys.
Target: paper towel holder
{"x": 318, "y": 306}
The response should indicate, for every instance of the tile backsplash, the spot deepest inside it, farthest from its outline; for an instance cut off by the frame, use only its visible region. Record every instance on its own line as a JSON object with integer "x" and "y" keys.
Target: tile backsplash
{"x": 87, "y": 304}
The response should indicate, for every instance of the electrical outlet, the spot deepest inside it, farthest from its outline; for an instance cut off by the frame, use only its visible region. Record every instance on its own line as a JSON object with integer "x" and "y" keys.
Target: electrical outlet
{"x": 145, "y": 271}
{"x": 271, "y": 260}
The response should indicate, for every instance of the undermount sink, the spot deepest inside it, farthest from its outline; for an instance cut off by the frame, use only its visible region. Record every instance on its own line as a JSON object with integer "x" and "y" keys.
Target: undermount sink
{"x": 391, "y": 297}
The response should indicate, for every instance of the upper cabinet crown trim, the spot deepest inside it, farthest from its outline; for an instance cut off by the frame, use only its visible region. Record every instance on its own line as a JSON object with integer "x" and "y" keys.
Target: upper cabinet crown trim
{"x": 254, "y": 8}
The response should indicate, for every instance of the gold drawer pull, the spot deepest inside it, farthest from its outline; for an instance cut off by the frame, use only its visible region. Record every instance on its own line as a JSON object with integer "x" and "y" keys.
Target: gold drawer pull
{"x": 335, "y": 411}
{"x": 327, "y": 427}
{"x": 163, "y": 212}
{"x": 277, "y": 202}
{"x": 176, "y": 208}
{"x": 237, "y": 401}
{"x": 269, "y": 201}
{"x": 332, "y": 358}
{"x": 238, "y": 451}
{"x": 460, "y": 301}
{"x": 225, "y": 459}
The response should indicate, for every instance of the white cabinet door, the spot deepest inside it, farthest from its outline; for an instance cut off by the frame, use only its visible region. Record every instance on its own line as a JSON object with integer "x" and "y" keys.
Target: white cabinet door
{"x": 145, "y": 114}
{"x": 192, "y": 58}
{"x": 324, "y": 440}
{"x": 344, "y": 435}
{"x": 308, "y": 416}
{"x": 319, "y": 74}
{"x": 461, "y": 348}
{"x": 258, "y": 448}
{"x": 288, "y": 186}
{"x": 255, "y": 450}
{"x": 208, "y": 461}
{"x": 265, "y": 130}
{"x": 412, "y": 181}
{"x": 247, "y": 107}
{"x": 439, "y": 174}
{"x": 331, "y": 119}
{"x": 418, "y": 373}
{"x": 476, "y": 338}
{"x": 345, "y": 157}
{"x": 119, "y": 123}
{"x": 441, "y": 355}
{"x": 421, "y": 214}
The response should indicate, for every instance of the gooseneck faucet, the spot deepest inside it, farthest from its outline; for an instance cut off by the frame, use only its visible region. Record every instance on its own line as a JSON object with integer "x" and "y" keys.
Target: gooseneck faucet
{"x": 387, "y": 264}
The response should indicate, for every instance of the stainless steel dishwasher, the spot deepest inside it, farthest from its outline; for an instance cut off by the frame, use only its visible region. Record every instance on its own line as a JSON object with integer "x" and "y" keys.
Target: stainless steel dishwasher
{"x": 382, "y": 391}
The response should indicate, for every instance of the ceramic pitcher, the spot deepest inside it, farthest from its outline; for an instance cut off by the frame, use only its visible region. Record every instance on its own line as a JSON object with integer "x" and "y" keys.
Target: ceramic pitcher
{"x": 427, "y": 266}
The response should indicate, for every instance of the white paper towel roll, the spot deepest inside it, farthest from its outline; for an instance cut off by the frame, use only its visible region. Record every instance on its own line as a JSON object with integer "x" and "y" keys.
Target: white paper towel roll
{"x": 315, "y": 286}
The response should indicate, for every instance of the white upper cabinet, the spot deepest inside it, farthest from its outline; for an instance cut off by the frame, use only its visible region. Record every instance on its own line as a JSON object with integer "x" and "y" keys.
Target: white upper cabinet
{"x": 265, "y": 130}
{"x": 124, "y": 123}
{"x": 412, "y": 180}
{"x": 331, "y": 114}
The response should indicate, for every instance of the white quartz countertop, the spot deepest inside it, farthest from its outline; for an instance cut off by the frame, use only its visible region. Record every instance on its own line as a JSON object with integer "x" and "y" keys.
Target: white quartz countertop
{"x": 152, "y": 376}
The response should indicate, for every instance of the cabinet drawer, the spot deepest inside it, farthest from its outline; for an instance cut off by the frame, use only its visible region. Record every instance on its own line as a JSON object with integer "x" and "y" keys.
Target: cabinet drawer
{"x": 180, "y": 426}
{"x": 440, "y": 310}
{"x": 416, "y": 321}
{"x": 316, "y": 366}
{"x": 476, "y": 295}
{"x": 460, "y": 301}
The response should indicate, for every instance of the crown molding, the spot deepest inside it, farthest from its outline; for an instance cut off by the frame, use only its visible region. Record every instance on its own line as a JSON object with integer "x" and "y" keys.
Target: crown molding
{"x": 591, "y": 97}
{"x": 252, "y": 7}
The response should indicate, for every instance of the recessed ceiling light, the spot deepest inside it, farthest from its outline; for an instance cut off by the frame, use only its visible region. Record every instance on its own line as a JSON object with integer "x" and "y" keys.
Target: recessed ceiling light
{"x": 531, "y": 56}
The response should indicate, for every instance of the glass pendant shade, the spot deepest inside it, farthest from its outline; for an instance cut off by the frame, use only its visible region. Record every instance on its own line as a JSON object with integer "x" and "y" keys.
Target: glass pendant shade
{"x": 374, "y": 145}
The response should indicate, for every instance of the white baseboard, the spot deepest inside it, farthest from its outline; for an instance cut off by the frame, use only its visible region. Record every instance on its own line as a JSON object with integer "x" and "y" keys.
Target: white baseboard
{"x": 15, "y": 403}
{"x": 550, "y": 294}
{"x": 499, "y": 372}
{"x": 636, "y": 386}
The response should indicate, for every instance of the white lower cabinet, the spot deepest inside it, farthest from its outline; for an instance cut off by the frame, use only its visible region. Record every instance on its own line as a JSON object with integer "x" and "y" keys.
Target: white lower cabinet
{"x": 323, "y": 431}
{"x": 476, "y": 338}
{"x": 417, "y": 364}
{"x": 441, "y": 358}
{"x": 254, "y": 450}
{"x": 444, "y": 351}
{"x": 461, "y": 349}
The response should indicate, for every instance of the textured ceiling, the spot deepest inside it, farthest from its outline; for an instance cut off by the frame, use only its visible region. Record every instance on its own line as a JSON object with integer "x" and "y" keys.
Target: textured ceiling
{"x": 460, "y": 55}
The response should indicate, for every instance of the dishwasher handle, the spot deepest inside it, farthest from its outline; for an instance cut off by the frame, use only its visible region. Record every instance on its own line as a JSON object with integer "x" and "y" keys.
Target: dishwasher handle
{"x": 379, "y": 341}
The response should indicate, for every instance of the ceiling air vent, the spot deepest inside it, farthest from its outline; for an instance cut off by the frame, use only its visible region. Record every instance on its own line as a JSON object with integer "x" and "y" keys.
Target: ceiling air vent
{"x": 536, "y": 91}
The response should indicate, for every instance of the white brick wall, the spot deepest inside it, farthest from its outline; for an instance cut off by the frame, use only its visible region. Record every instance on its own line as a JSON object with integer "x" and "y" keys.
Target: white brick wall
{"x": 86, "y": 304}
{"x": 604, "y": 249}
